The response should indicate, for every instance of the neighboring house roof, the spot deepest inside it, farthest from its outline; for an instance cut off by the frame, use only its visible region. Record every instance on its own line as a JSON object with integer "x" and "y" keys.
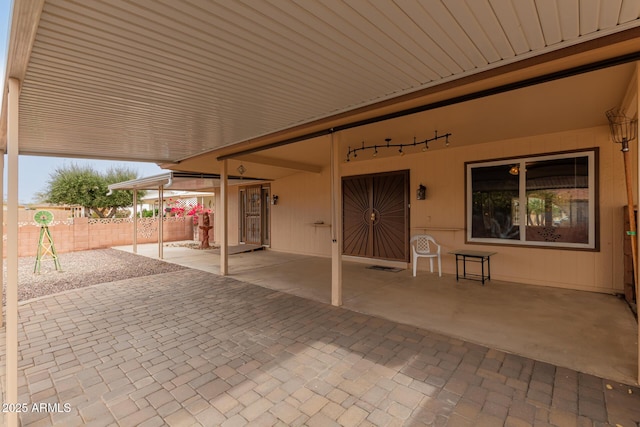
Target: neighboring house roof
{"x": 121, "y": 80}
{"x": 152, "y": 195}
{"x": 184, "y": 181}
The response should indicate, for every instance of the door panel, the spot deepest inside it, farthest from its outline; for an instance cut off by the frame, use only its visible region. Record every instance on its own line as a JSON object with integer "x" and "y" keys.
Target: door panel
{"x": 390, "y": 206}
{"x": 252, "y": 217}
{"x": 357, "y": 196}
{"x": 266, "y": 216}
{"x": 376, "y": 216}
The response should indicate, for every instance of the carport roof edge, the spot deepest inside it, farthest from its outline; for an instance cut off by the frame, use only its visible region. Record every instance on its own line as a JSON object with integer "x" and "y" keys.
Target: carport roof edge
{"x": 179, "y": 181}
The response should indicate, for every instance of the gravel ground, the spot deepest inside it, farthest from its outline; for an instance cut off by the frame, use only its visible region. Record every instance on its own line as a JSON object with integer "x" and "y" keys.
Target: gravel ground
{"x": 80, "y": 269}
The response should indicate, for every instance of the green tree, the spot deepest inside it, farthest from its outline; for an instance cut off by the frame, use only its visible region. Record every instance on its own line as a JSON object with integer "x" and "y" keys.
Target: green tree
{"x": 84, "y": 186}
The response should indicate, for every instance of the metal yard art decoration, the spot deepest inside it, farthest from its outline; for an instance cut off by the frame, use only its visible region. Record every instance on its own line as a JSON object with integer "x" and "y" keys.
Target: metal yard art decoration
{"x": 45, "y": 242}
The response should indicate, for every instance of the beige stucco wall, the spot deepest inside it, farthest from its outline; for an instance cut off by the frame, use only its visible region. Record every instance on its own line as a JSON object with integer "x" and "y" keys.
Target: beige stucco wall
{"x": 442, "y": 172}
{"x": 232, "y": 200}
{"x": 305, "y": 198}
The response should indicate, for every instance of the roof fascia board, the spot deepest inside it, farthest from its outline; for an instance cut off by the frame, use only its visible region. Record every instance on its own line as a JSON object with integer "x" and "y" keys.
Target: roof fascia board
{"x": 166, "y": 179}
{"x": 147, "y": 183}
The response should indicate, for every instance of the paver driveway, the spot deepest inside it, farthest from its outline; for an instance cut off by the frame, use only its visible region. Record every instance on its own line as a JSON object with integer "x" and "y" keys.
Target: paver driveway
{"x": 193, "y": 348}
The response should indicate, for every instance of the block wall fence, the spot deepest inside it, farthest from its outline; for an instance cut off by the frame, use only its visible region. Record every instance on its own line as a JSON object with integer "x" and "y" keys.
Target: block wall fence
{"x": 80, "y": 234}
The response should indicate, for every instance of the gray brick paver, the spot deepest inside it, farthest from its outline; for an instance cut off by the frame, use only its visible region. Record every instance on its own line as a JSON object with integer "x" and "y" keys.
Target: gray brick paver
{"x": 352, "y": 416}
{"x": 563, "y": 418}
{"x": 195, "y": 404}
{"x": 223, "y": 352}
{"x": 405, "y": 395}
{"x": 285, "y": 412}
{"x": 516, "y": 422}
{"x": 322, "y": 420}
{"x": 313, "y": 405}
{"x": 169, "y": 408}
{"x": 123, "y": 408}
{"x": 225, "y": 403}
{"x": 495, "y": 409}
{"x": 333, "y": 410}
{"x": 180, "y": 418}
{"x": 156, "y": 421}
{"x": 522, "y": 411}
{"x": 210, "y": 417}
{"x": 249, "y": 398}
{"x": 255, "y": 409}
{"x": 234, "y": 421}
{"x": 592, "y": 409}
{"x": 95, "y": 410}
{"x": 159, "y": 398}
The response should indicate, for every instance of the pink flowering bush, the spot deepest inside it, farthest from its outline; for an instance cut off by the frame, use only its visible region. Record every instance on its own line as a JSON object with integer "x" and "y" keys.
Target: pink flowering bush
{"x": 193, "y": 211}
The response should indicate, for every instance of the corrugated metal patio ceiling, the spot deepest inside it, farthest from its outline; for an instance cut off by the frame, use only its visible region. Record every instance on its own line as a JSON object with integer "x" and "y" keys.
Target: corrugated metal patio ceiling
{"x": 166, "y": 80}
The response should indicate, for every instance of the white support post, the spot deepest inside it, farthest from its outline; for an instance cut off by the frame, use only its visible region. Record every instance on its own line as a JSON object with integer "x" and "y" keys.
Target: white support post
{"x": 637, "y": 108}
{"x": 1, "y": 222}
{"x": 223, "y": 217}
{"x": 160, "y": 221}
{"x": 336, "y": 223}
{"x": 135, "y": 221}
{"x": 11, "y": 392}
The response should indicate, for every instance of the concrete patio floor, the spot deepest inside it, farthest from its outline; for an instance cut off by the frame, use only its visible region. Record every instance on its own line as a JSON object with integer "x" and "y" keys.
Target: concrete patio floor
{"x": 589, "y": 332}
{"x": 190, "y": 348}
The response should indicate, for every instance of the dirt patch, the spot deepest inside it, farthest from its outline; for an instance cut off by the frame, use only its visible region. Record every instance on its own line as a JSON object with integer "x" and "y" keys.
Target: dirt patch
{"x": 191, "y": 245}
{"x": 80, "y": 269}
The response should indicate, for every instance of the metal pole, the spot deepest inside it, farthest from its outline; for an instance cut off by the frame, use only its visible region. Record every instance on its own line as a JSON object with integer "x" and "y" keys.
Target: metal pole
{"x": 637, "y": 97}
{"x": 160, "y": 221}
{"x": 1, "y": 222}
{"x": 631, "y": 212}
{"x": 336, "y": 223}
{"x": 223, "y": 216}
{"x": 135, "y": 221}
{"x": 12, "y": 252}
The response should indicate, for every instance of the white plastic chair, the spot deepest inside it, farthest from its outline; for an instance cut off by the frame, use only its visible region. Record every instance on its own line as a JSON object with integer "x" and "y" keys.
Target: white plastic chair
{"x": 423, "y": 245}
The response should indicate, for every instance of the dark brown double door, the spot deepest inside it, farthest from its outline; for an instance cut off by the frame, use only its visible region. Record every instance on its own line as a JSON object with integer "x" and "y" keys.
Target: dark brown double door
{"x": 376, "y": 215}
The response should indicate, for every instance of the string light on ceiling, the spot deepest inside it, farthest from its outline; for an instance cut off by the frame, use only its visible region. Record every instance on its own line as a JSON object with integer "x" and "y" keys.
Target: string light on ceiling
{"x": 353, "y": 152}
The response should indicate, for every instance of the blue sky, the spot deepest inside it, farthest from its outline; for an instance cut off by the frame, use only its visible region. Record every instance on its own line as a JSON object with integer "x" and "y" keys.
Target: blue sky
{"x": 34, "y": 171}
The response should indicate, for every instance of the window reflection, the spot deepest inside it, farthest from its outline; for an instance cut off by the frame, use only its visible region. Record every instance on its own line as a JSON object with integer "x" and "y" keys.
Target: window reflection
{"x": 495, "y": 203}
{"x": 558, "y": 200}
{"x": 547, "y": 200}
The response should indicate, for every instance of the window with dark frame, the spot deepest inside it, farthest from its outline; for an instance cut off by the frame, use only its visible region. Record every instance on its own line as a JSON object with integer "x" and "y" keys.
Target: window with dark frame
{"x": 547, "y": 200}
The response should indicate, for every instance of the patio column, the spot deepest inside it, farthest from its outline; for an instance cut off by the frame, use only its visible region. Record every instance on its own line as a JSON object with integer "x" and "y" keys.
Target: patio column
{"x": 135, "y": 221}
{"x": 11, "y": 391}
{"x": 637, "y": 108}
{"x": 2, "y": 222}
{"x": 336, "y": 223}
{"x": 160, "y": 220}
{"x": 223, "y": 217}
